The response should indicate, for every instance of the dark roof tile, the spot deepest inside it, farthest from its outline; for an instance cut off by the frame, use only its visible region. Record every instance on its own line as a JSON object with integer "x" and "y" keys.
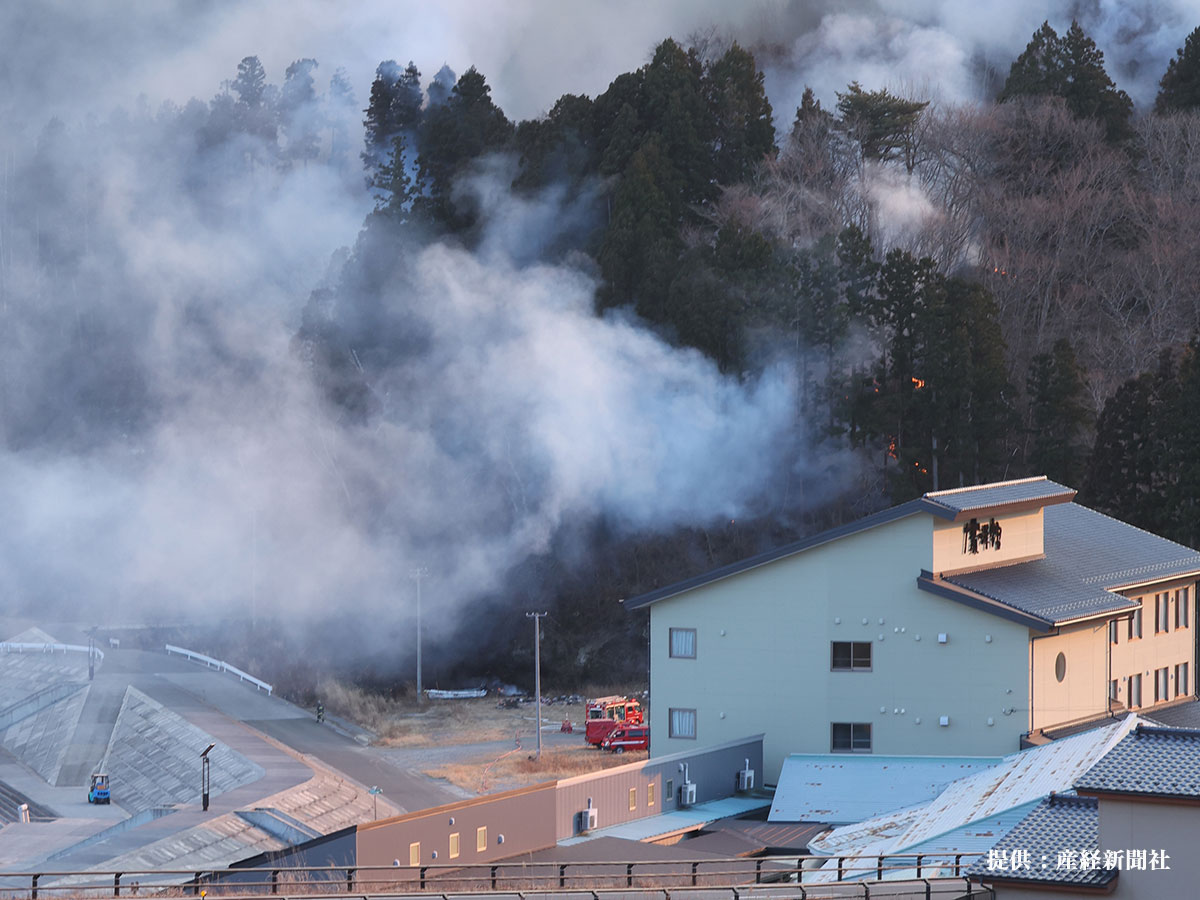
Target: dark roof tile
{"x": 1150, "y": 761}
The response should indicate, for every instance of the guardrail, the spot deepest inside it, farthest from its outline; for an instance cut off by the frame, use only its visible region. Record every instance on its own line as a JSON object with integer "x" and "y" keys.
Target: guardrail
{"x": 221, "y": 666}
{"x": 761, "y": 878}
{"x": 22, "y": 646}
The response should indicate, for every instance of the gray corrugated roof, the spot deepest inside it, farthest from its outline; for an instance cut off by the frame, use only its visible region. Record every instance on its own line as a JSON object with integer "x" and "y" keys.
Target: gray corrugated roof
{"x": 1086, "y": 554}
{"x": 1150, "y": 761}
{"x": 1055, "y": 825}
{"x": 1037, "y": 491}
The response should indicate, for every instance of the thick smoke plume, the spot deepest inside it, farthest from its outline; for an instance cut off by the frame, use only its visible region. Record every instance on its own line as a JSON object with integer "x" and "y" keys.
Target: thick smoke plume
{"x": 147, "y": 259}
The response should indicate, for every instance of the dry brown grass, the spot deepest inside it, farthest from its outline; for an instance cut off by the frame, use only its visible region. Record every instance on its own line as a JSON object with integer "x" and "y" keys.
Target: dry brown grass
{"x": 517, "y": 767}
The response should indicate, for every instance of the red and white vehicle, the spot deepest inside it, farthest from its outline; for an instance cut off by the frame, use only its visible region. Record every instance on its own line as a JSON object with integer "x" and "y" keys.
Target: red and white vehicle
{"x": 627, "y": 737}
{"x": 606, "y": 713}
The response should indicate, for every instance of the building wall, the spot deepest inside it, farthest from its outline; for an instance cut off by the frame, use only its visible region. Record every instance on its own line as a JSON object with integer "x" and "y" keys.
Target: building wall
{"x": 763, "y": 640}
{"x": 1083, "y": 692}
{"x": 713, "y": 771}
{"x": 517, "y": 821}
{"x": 1154, "y": 651}
{"x": 1141, "y": 825}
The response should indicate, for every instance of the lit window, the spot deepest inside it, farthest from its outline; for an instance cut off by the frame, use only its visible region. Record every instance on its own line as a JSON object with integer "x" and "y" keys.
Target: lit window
{"x": 650, "y": 794}
{"x": 454, "y": 845}
{"x": 414, "y": 853}
{"x": 481, "y": 838}
{"x": 632, "y": 799}
{"x": 683, "y": 643}
{"x": 850, "y": 656}
{"x": 850, "y": 737}
{"x": 682, "y": 723}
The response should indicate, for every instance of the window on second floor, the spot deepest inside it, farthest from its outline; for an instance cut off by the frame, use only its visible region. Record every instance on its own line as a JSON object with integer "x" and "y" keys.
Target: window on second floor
{"x": 1182, "y": 602}
{"x": 1162, "y": 612}
{"x": 850, "y": 737}
{"x": 1135, "y": 624}
{"x": 850, "y": 656}
{"x": 1113, "y": 631}
{"x": 683, "y": 643}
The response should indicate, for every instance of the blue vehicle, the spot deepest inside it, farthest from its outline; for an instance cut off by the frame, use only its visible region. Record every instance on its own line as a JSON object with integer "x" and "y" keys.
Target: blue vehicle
{"x": 98, "y": 793}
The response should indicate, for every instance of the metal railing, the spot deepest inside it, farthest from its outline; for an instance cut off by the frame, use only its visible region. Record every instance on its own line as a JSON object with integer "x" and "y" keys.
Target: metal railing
{"x": 894, "y": 876}
{"x": 221, "y": 666}
{"x": 46, "y": 647}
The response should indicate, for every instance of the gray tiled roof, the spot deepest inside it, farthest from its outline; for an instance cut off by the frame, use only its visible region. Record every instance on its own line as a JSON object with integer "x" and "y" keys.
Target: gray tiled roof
{"x": 1055, "y": 825}
{"x": 1087, "y": 553}
{"x": 965, "y": 500}
{"x": 1151, "y": 761}
{"x": 1183, "y": 715}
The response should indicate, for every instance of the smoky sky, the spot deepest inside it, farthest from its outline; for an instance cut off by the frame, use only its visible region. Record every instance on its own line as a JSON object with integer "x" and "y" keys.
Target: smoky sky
{"x": 171, "y": 281}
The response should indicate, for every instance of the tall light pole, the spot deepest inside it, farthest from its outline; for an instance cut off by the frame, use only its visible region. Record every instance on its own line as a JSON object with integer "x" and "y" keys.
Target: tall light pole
{"x": 537, "y": 673}
{"x": 204, "y": 776}
{"x": 417, "y": 574}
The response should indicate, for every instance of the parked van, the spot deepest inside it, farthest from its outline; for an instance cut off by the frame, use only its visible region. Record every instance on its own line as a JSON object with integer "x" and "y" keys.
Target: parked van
{"x": 628, "y": 737}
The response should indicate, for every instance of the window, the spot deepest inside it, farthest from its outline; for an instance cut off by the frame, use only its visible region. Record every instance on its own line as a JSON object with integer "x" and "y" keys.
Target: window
{"x": 1162, "y": 687}
{"x": 682, "y": 723}
{"x": 414, "y": 853}
{"x": 669, "y": 791}
{"x": 1134, "y": 690}
{"x": 1135, "y": 624}
{"x": 1060, "y": 667}
{"x": 1181, "y": 680}
{"x": 632, "y": 799}
{"x": 1181, "y": 608}
{"x": 454, "y": 845}
{"x": 481, "y": 838}
{"x": 1162, "y": 612}
{"x": 1112, "y": 631}
{"x": 683, "y": 643}
{"x": 850, "y": 737}
{"x": 1114, "y": 687}
{"x": 850, "y": 656}
{"x": 650, "y": 794}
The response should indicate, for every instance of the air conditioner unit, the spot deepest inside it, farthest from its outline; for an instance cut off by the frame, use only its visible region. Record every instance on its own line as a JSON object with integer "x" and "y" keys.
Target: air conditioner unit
{"x": 687, "y": 793}
{"x": 587, "y": 819}
{"x": 745, "y": 780}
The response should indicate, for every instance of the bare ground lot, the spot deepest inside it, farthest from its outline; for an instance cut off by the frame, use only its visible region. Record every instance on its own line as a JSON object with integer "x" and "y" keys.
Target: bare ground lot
{"x": 476, "y": 744}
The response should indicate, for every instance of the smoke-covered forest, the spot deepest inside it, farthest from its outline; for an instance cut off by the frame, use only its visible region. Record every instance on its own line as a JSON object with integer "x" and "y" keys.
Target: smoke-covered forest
{"x": 271, "y": 359}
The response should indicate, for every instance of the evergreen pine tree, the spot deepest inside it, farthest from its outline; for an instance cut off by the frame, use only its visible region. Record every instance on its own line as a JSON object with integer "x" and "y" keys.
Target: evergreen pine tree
{"x": 1180, "y": 85}
{"x": 1058, "y": 416}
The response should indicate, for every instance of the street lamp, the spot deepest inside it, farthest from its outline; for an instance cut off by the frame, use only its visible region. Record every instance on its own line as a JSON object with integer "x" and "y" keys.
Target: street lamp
{"x": 537, "y": 673}
{"x": 204, "y": 777}
{"x": 417, "y": 574}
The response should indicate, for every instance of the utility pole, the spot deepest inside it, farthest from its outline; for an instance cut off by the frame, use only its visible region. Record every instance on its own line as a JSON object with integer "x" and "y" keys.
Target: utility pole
{"x": 417, "y": 574}
{"x": 537, "y": 673}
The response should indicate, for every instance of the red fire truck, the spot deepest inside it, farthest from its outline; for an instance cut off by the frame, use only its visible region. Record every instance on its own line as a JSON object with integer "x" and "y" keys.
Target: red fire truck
{"x": 606, "y": 713}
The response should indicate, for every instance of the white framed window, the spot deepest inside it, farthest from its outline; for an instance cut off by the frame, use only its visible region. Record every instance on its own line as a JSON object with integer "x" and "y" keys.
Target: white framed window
{"x": 683, "y": 643}
{"x": 850, "y": 656}
{"x": 682, "y": 723}
{"x": 850, "y": 737}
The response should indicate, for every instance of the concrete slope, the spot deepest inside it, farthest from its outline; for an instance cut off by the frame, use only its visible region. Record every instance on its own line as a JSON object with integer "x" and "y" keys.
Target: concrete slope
{"x": 87, "y": 745}
{"x": 41, "y": 740}
{"x": 154, "y": 758}
{"x": 22, "y": 674}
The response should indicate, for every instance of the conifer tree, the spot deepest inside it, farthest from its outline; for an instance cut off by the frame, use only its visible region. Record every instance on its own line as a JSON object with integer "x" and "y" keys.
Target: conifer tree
{"x": 1058, "y": 416}
{"x": 1180, "y": 85}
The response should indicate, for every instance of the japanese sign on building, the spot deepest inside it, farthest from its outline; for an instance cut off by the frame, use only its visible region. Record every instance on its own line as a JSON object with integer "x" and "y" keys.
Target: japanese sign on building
{"x": 978, "y": 537}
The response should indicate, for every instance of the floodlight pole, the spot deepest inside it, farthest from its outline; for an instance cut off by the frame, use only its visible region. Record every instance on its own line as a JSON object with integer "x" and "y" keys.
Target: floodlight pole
{"x": 537, "y": 673}
{"x": 204, "y": 779}
{"x": 417, "y": 574}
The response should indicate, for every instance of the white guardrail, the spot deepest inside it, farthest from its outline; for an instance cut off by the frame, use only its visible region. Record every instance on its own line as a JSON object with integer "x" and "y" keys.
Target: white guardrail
{"x": 220, "y": 665}
{"x": 22, "y": 646}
